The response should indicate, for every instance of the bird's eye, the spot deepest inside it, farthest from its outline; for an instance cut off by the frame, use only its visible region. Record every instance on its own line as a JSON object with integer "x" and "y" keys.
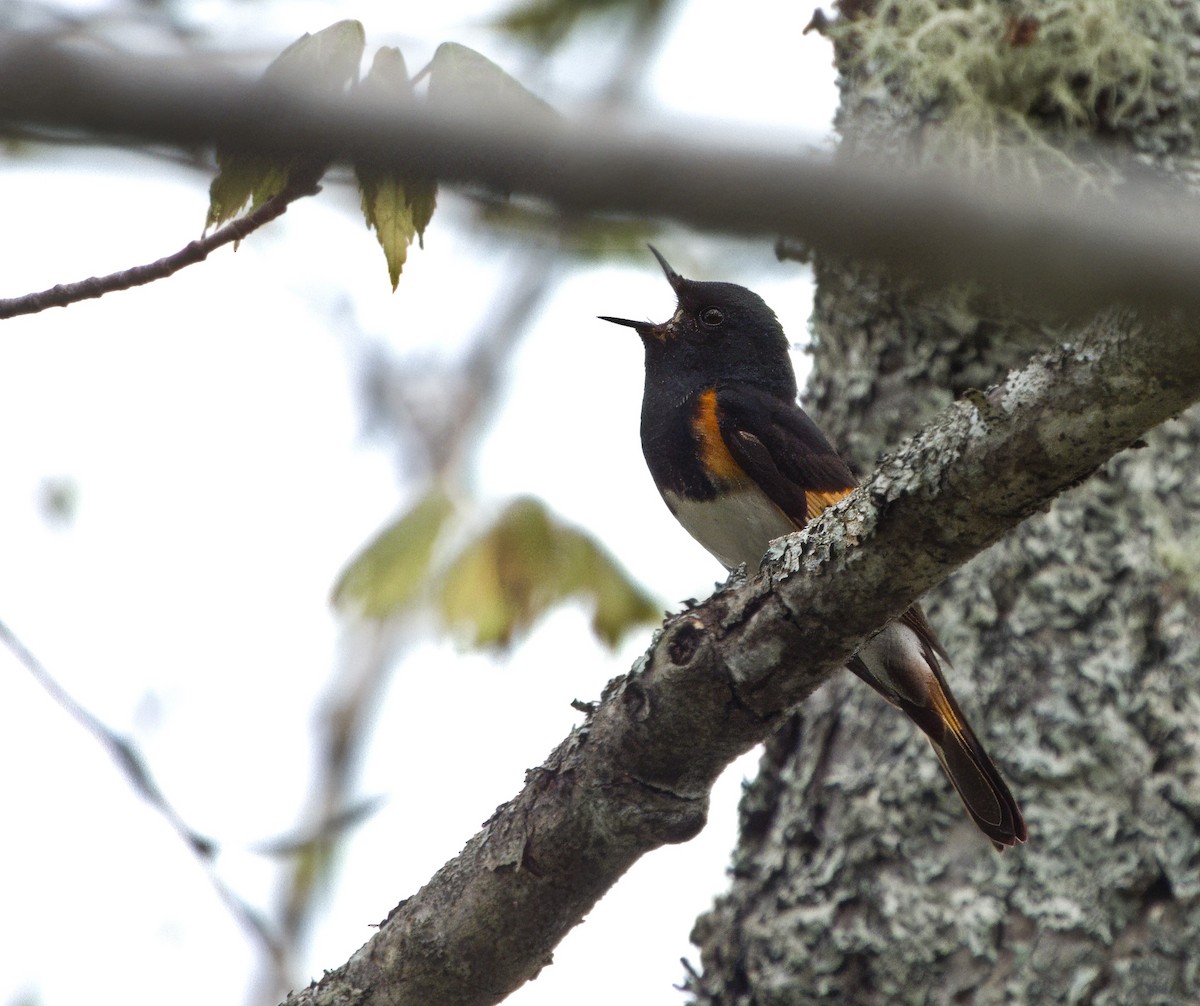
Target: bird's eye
{"x": 711, "y": 316}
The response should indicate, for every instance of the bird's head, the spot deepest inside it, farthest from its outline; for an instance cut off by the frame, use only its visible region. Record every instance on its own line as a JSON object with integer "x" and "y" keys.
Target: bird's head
{"x": 719, "y": 331}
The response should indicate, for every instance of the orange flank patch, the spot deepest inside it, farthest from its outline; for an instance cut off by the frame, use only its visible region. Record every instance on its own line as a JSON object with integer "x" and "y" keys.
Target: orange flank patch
{"x": 818, "y": 500}
{"x": 716, "y": 457}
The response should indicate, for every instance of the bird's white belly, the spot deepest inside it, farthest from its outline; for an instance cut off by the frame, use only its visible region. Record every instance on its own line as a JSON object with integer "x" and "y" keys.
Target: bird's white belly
{"x": 736, "y": 528}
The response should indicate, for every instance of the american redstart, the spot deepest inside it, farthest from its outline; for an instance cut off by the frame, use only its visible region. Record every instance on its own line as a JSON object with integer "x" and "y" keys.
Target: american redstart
{"x": 739, "y": 463}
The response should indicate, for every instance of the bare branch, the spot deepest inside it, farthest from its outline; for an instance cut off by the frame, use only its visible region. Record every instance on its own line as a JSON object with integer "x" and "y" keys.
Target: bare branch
{"x": 1072, "y": 255}
{"x": 65, "y": 294}
{"x": 131, "y": 764}
{"x": 722, "y": 675}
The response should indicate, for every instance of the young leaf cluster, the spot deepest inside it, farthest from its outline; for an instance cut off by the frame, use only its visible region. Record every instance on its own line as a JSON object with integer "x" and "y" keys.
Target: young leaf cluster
{"x": 496, "y": 586}
{"x": 327, "y": 60}
{"x": 397, "y": 206}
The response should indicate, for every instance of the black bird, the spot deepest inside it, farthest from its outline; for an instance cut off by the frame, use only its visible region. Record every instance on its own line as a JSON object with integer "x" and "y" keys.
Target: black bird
{"x": 739, "y": 463}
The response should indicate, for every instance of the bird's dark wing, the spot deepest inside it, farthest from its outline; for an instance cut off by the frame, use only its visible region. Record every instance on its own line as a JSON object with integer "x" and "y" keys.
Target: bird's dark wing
{"x": 782, "y": 450}
{"x": 788, "y": 457}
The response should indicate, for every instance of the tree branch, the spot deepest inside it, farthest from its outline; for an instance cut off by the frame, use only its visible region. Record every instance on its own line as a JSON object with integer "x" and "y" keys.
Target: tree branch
{"x": 195, "y": 251}
{"x": 723, "y": 674}
{"x": 132, "y": 765}
{"x": 1046, "y": 246}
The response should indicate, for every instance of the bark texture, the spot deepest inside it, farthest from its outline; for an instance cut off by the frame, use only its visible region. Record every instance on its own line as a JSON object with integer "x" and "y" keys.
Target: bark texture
{"x": 857, "y": 878}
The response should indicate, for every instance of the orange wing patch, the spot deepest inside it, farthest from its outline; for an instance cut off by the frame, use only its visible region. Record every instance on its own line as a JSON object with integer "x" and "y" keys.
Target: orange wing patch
{"x": 718, "y": 462}
{"x": 818, "y": 500}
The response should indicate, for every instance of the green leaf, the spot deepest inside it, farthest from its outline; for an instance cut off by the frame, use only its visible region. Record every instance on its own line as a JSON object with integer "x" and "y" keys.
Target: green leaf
{"x": 387, "y": 575}
{"x": 421, "y": 197}
{"x": 587, "y": 238}
{"x": 461, "y": 77}
{"x": 526, "y": 563}
{"x": 242, "y": 179}
{"x": 387, "y": 212}
{"x": 327, "y": 61}
{"x": 546, "y": 23}
{"x": 396, "y": 207}
{"x": 620, "y": 604}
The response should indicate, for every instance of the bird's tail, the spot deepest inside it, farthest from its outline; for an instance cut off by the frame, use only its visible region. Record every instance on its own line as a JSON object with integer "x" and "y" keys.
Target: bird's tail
{"x": 984, "y": 793}
{"x": 902, "y": 664}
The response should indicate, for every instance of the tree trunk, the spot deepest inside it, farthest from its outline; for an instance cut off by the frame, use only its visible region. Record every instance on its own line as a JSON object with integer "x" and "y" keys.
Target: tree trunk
{"x": 857, "y": 878}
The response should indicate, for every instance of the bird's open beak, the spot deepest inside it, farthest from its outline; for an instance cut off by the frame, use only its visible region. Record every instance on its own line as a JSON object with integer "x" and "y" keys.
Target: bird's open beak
{"x": 647, "y": 328}
{"x": 672, "y": 276}
{"x": 626, "y": 322}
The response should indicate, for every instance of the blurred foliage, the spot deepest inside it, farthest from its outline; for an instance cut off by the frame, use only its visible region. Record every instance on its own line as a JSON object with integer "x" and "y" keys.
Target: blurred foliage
{"x": 545, "y": 23}
{"x": 58, "y": 500}
{"x": 328, "y": 60}
{"x": 525, "y": 564}
{"x": 586, "y": 238}
{"x": 398, "y": 208}
{"x": 389, "y": 572}
{"x": 499, "y": 583}
{"x": 528, "y": 561}
{"x": 461, "y": 77}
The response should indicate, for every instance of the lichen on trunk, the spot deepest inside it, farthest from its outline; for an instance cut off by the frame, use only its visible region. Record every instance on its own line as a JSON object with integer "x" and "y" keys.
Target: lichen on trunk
{"x": 857, "y": 879}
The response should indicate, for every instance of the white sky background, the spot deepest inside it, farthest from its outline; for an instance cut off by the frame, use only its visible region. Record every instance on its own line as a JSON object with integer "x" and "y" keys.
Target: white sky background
{"x": 211, "y": 425}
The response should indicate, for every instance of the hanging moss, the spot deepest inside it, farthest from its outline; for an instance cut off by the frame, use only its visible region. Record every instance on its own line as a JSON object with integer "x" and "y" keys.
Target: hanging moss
{"x": 1015, "y": 88}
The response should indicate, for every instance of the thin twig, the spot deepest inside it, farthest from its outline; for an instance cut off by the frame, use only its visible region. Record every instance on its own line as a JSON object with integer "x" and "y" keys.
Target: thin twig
{"x": 65, "y": 294}
{"x": 133, "y": 766}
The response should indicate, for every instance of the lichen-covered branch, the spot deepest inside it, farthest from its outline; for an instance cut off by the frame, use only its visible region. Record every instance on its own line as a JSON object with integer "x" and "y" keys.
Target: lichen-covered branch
{"x": 723, "y": 674}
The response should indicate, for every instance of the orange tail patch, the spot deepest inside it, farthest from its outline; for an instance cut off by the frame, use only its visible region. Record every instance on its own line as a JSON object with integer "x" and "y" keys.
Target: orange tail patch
{"x": 947, "y": 714}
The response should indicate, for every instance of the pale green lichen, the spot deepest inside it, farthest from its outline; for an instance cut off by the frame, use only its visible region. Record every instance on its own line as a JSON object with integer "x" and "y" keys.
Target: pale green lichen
{"x": 1179, "y": 555}
{"x": 1014, "y": 88}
